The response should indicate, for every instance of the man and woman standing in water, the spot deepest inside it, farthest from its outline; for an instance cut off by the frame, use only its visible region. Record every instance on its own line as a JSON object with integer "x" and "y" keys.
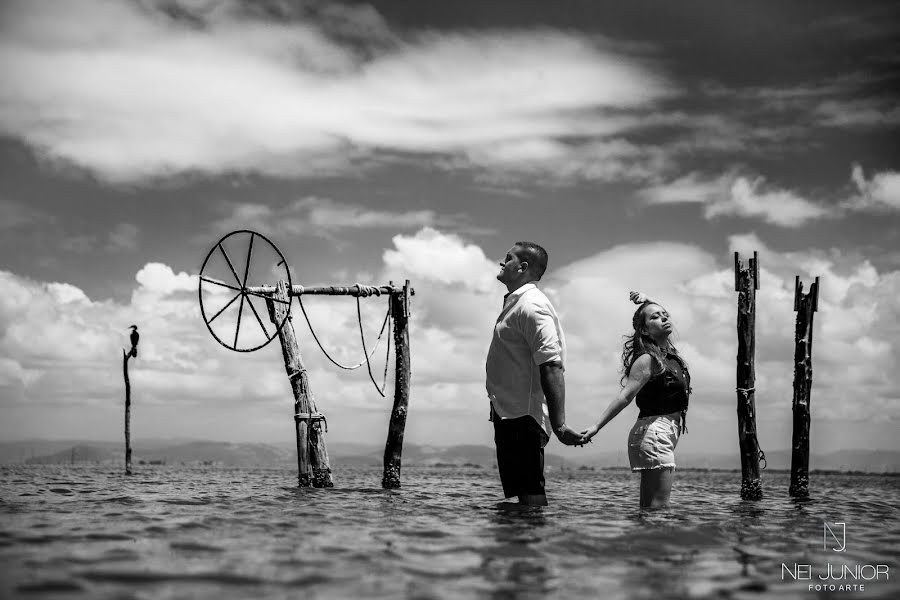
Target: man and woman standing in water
{"x": 526, "y": 387}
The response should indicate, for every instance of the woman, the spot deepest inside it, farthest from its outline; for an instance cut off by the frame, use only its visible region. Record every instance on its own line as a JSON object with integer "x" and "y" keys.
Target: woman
{"x": 655, "y": 374}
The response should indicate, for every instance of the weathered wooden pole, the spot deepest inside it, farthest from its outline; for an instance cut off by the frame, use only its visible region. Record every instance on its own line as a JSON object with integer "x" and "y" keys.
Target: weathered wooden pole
{"x": 312, "y": 456}
{"x": 394, "y": 445}
{"x": 125, "y": 357}
{"x": 746, "y": 282}
{"x": 805, "y": 306}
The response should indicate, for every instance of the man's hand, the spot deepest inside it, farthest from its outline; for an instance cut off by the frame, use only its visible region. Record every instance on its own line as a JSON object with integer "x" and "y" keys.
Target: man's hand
{"x": 570, "y": 437}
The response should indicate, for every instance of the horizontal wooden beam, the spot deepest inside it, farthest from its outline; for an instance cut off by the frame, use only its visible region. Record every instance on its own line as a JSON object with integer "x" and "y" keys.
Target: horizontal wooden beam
{"x": 300, "y": 290}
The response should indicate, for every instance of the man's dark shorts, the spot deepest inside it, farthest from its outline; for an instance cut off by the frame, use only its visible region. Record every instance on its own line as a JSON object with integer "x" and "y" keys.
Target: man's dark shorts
{"x": 520, "y": 455}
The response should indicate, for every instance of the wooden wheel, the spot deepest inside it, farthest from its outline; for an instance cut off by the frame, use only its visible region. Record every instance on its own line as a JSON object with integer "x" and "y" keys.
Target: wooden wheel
{"x": 235, "y": 314}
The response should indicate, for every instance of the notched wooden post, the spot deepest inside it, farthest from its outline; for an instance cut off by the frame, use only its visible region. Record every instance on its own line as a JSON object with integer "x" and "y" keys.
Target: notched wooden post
{"x": 312, "y": 456}
{"x": 805, "y": 306}
{"x": 746, "y": 282}
{"x": 393, "y": 448}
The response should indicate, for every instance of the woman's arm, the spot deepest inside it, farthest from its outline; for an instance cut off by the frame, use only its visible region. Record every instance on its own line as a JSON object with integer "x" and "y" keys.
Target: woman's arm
{"x": 637, "y": 378}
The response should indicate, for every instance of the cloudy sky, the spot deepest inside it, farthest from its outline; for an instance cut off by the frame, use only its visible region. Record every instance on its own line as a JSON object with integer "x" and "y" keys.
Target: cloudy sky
{"x": 641, "y": 143}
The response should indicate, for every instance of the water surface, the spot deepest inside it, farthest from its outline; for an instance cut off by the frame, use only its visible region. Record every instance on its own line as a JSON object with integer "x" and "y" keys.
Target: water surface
{"x": 90, "y": 532}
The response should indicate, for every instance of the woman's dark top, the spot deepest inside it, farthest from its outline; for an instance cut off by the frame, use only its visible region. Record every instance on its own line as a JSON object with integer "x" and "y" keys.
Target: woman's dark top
{"x": 666, "y": 392}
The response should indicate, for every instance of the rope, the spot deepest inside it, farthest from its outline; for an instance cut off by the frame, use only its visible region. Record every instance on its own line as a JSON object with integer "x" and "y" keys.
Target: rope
{"x": 362, "y": 291}
{"x": 387, "y": 356}
{"x": 312, "y": 417}
{"x": 325, "y": 352}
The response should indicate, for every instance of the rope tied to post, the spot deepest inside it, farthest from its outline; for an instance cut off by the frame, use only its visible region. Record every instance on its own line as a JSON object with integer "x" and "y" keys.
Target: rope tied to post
{"x": 745, "y": 393}
{"x": 362, "y": 291}
{"x": 366, "y": 290}
{"x": 312, "y": 417}
{"x": 296, "y": 373}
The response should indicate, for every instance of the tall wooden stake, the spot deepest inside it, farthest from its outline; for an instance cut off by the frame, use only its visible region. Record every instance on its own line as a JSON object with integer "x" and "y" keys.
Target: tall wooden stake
{"x": 125, "y": 357}
{"x": 746, "y": 282}
{"x": 805, "y": 306}
{"x": 312, "y": 456}
{"x": 394, "y": 445}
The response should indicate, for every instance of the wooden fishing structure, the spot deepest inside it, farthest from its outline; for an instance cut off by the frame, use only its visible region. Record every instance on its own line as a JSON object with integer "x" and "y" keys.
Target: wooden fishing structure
{"x": 746, "y": 282}
{"x": 805, "y": 305}
{"x": 314, "y": 468}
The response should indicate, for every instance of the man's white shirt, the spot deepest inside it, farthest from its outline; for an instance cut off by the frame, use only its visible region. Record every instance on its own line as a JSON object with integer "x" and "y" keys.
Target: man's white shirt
{"x": 527, "y": 334}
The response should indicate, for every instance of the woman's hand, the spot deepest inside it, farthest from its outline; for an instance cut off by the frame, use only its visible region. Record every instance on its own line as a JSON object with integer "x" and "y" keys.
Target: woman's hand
{"x": 590, "y": 432}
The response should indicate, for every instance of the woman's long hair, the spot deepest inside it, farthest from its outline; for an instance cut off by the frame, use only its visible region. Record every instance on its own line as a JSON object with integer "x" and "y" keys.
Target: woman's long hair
{"x": 640, "y": 343}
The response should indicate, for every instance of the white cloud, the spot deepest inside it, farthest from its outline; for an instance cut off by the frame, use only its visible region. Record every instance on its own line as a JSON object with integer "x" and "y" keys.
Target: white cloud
{"x": 130, "y": 93}
{"x": 732, "y": 194}
{"x": 854, "y": 344}
{"x": 879, "y": 194}
{"x": 161, "y": 279}
{"x": 65, "y": 293}
{"x": 690, "y": 188}
{"x": 859, "y": 113}
{"x": 737, "y": 195}
{"x": 182, "y": 371}
{"x": 324, "y": 217}
{"x": 614, "y": 159}
{"x": 445, "y": 258}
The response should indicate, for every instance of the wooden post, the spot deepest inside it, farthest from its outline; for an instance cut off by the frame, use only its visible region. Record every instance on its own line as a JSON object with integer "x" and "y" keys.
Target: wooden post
{"x": 312, "y": 456}
{"x": 125, "y": 357}
{"x": 394, "y": 446}
{"x": 805, "y": 306}
{"x": 746, "y": 282}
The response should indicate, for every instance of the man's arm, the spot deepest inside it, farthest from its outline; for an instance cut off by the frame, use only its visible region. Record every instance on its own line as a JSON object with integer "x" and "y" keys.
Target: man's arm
{"x": 553, "y": 383}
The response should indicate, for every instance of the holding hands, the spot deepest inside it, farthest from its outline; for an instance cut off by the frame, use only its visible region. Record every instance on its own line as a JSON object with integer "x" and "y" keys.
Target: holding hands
{"x": 570, "y": 437}
{"x": 590, "y": 432}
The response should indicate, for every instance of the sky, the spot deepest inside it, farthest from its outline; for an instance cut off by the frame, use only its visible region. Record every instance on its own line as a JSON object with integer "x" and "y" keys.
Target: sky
{"x": 641, "y": 144}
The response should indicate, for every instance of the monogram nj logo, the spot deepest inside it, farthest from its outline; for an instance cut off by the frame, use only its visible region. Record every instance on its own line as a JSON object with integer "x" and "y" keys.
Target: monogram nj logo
{"x": 836, "y": 533}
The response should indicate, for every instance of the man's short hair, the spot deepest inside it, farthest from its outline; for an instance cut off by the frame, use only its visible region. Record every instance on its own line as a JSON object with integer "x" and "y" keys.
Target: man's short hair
{"x": 535, "y": 256}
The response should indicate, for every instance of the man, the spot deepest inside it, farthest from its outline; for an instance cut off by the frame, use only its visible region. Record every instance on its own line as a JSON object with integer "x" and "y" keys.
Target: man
{"x": 525, "y": 381}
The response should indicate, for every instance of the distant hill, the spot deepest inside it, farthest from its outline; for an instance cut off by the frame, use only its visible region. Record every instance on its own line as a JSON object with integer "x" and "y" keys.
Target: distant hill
{"x": 232, "y": 454}
{"x": 78, "y": 453}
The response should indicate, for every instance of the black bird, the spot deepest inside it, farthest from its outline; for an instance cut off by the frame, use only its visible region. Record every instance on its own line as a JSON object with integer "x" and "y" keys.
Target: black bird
{"x": 135, "y": 336}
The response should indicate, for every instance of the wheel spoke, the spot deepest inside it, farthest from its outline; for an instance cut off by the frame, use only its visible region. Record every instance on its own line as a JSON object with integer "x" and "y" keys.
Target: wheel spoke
{"x": 258, "y": 320}
{"x": 247, "y": 266}
{"x": 246, "y": 291}
{"x": 228, "y": 260}
{"x": 230, "y": 302}
{"x": 237, "y": 329}
{"x": 219, "y": 283}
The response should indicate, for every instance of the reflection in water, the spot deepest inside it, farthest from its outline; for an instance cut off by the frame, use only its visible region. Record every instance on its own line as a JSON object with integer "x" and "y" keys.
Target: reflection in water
{"x": 89, "y": 532}
{"x": 514, "y": 564}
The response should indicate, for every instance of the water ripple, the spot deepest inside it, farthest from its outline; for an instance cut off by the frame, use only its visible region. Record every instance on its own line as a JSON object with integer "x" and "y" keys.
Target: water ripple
{"x": 82, "y": 533}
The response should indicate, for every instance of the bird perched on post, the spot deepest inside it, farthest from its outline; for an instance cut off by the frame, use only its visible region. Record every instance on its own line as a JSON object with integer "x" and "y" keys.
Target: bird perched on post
{"x": 135, "y": 336}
